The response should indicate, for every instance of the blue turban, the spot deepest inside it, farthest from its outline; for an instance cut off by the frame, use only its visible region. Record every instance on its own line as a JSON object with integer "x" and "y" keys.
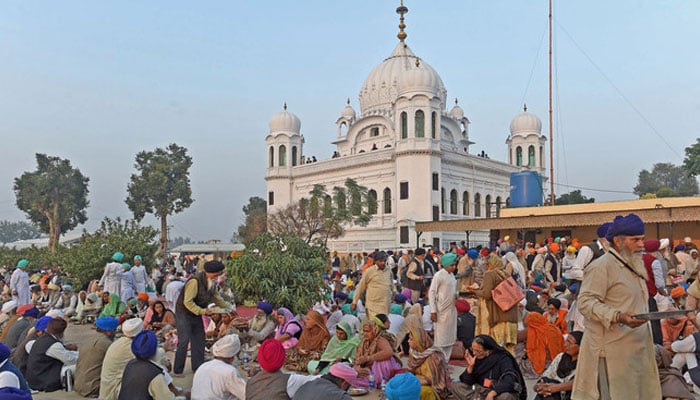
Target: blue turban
{"x": 144, "y": 345}
{"x": 67, "y": 287}
{"x": 603, "y": 229}
{"x": 12, "y": 393}
{"x": 4, "y": 352}
{"x": 473, "y": 254}
{"x": 32, "y": 312}
{"x": 631, "y": 225}
{"x": 448, "y": 259}
{"x": 265, "y": 306}
{"x": 403, "y": 387}
{"x": 118, "y": 257}
{"x": 138, "y": 257}
{"x": 22, "y": 263}
{"x": 341, "y": 295}
{"x": 107, "y": 323}
{"x": 400, "y": 298}
{"x": 396, "y": 309}
{"x": 42, "y": 323}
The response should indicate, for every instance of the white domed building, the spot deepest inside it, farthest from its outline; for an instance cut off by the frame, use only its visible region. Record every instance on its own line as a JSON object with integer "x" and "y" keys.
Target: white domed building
{"x": 410, "y": 151}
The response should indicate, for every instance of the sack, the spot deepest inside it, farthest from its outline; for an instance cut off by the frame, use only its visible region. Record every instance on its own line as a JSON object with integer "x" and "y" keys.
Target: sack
{"x": 507, "y": 294}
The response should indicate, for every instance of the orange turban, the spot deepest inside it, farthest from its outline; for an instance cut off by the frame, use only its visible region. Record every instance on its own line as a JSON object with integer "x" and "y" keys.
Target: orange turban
{"x": 554, "y": 247}
{"x": 143, "y": 296}
{"x": 677, "y": 292}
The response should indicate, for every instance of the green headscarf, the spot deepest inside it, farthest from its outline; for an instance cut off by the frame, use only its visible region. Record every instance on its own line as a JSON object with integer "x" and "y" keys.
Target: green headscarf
{"x": 341, "y": 349}
{"x": 114, "y": 308}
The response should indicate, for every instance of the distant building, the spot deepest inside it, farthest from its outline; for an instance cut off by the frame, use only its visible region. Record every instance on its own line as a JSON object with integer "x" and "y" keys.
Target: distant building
{"x": 410, "y": 151}
{"x": 65, "y": 239}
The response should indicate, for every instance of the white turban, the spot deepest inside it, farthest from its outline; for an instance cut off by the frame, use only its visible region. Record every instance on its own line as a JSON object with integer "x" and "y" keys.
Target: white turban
{"x": 8, "y": 306}
{"x": 226, "y": 347}
{"x": 663, "y": 243}
{"x": 8, "y": 379}
{"x": 132, "y": 327}
{"x": 55, "y": 313}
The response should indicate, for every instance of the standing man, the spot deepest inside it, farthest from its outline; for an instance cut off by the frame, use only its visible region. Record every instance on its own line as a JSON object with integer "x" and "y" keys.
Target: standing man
{"x": 89, "y": 366}
{"x": 442, "y": 295}
{"x": 588, "y": 253}
{"x": 616, "y": 360}
{"x": 140, "y": 275}
{"x": 199, "y": 292}
{"x": 127, "y": 284}
{"x": 377, "y": 282}
{"x": 416, "y": 275}
{"x": 19, "y": 283}
{"x": 111, "y": 277}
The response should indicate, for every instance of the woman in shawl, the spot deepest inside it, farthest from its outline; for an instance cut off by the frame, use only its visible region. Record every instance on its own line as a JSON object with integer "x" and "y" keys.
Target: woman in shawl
{"x": 412, "y": 321}
{"x": 673, "y": 384}
{"x": 514, "y": 267}
{"x": 429, "y": 365}
{"x": 557, "y": 381}
{"x": 79, "y": 307}
{"x": 544, "y": 341}
{"x": 374, "y": 354}
{"x": 288, "y": 328}
{"x": 162, "y": 320}
{"x": 491, "y": 371}
{"x": 503, "y": 325}
{"x": 113, "y": 308}
{"x": 312, "y": 342}
{"x": 341, "y": 348}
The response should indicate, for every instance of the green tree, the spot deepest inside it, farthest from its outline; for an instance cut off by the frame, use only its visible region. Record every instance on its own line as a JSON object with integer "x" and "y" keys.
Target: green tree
{"x": 255, "y": 220}
{"x": 573, "y": 197}
{"x": 161, "y": 187}
{"x": 691, "y": 163}
{"x": 14, "y": 231}
{"x": 85, "y": 261}
{"x": 666, "y": 180}
{"x": 283, "y": 270}
{"x": 53, "y": 197}
{"x": 322, "y": 215}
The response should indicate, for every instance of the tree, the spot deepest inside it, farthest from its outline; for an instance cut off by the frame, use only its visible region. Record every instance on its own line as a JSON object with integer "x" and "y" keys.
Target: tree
{"x": 85, "y": 260}
{"x": 255, "y": 220}
{"x": 283, "y": 270}
{"x": 666, "y": 180}
{"x": 573, "y": 197}
{"x": 323, "y": 215}
{"x": 53, "y": 197}
{"x": 161, "y": 187}
{"x": 14, "y": 231}
{"x": 691, "y": 163}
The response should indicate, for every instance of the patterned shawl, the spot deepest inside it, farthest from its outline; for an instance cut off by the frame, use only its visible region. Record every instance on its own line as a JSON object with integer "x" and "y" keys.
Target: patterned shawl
{"x": 315, "y": 335}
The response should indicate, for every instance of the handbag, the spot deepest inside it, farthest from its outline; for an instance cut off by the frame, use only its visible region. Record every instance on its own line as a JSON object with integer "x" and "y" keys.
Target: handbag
{"x": 507, "y": 293}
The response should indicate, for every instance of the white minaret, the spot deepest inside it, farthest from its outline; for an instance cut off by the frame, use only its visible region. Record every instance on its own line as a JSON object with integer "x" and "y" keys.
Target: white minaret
{"x": 284, "y": 152}
{"x": 526, "y": 142}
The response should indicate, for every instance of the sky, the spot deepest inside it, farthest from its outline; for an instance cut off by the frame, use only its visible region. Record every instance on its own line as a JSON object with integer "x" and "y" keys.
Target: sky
{"x": 97, "y": 82}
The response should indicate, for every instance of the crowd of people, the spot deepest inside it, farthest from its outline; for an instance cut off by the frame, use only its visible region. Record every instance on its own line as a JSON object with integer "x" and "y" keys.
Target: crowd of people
{"x": 390, "y": 319}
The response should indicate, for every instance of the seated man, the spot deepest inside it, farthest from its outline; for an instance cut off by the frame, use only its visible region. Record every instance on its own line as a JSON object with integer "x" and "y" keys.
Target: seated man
{"x": 18, "y": 331}
{"x": 50, "y": 362}
{"x": 117, "y": 356}
{"x": 7, "y": 368}
{"x": 331, "y": 386}
{"x": 144, "y": 378}
{"x": 89, "y": 366}
{"x": 673, "y": 384}
{"x": 559, "y": 376}
{"x": 218, "y": 379}
{"x": 404, "y": 386}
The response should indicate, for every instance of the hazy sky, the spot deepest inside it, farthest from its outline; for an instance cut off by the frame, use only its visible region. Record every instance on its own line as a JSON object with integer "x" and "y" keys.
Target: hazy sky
{"x": 96, "y": 82}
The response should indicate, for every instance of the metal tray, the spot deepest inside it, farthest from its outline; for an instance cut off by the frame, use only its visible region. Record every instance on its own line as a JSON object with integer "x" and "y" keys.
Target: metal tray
{"x": 662, "y": 314}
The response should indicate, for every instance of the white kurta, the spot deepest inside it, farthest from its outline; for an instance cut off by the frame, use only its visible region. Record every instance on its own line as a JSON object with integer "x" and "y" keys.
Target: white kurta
{"x": 19, "y": 282}
{"x": 216, "y": 380}
{"x": 111, "y": 278}
{"x": 140, "y": 278}
{"x": 442, "y": 294}
{"x": 127, "y": 286}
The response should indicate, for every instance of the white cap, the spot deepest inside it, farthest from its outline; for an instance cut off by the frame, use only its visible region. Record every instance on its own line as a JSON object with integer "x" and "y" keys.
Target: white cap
{"x": 132, "y": 327}
{"x": 663, "y": 243}
{"x": 8, "y": 306}
{"x": 226, "y": 347}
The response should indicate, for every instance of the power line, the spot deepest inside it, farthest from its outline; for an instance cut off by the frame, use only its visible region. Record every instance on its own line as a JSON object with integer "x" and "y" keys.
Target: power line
{"x": 619, "y": 92}
{"x": 593, "y": 190}
{"x": 532, "y": 70}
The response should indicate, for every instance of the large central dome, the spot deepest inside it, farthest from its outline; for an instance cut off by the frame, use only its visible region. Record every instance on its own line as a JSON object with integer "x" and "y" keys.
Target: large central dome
{"x": 402, "y": 73}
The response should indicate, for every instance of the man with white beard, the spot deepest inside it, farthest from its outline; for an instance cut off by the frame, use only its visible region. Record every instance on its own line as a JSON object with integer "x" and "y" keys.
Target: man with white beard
{"x": 612, "y": 293}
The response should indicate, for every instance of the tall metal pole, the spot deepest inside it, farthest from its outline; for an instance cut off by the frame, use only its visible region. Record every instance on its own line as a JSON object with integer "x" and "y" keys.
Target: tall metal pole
{"x": 551, "y": 124}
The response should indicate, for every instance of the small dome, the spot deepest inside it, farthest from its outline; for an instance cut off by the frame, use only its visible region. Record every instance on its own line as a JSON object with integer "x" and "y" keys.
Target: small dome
{"x": 457, "y": 112}
{"x": 285, "y": 121}
{"x": 348, "y": 111}
{"x": 526, "y": 123}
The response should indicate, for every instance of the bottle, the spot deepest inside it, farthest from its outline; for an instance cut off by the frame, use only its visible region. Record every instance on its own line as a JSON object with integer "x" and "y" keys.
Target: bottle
{"x": 371, "y": 381}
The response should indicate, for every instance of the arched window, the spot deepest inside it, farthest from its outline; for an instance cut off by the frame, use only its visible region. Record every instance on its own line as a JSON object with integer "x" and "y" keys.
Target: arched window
{"x": 283, "y": 156}
{"x": 340, "y": 200}
{"x": 477, "y": 205}
{"x": 498, "y": 206}
{"x": 372, "y": 202}
{"x": 443, "y": 201}
{"x": 294, "y": 156}
{"x": 327, "y": 205}
{"x": 433, "y": 125}
{"x": 519, "y": 156}
{"x": 272, "y": 156}
{"x": 343, "y": 128}
{"x": 453, "y": 202}
{"x": 531, "y": 156}
{"x": 465, "y": 203}
{"x": 488, "y": 206}
{"x": 387, "y": 201}
{"x": 420, "y": 123}
{"x": 404, "y": 125}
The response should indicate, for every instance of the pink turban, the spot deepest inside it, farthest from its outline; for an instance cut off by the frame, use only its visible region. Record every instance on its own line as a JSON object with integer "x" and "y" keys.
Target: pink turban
{"x": 344, "y": 371}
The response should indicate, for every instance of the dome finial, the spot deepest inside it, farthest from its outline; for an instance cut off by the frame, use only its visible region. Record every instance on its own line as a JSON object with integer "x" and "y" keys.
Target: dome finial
{"x": 285, "y": 106}
{"x": 401, "y": 10}
{"x": 456, "y": 101}
{"x": 524, "y": 107}
{"x": 348, "y": 102}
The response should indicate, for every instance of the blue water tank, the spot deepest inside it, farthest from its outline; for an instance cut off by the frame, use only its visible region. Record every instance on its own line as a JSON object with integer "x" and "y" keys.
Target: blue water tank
{"x": 525, "y": 189}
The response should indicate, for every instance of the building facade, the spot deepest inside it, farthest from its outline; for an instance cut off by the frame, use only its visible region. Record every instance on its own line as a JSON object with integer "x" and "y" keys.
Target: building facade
{"x": 409, "y": 151}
